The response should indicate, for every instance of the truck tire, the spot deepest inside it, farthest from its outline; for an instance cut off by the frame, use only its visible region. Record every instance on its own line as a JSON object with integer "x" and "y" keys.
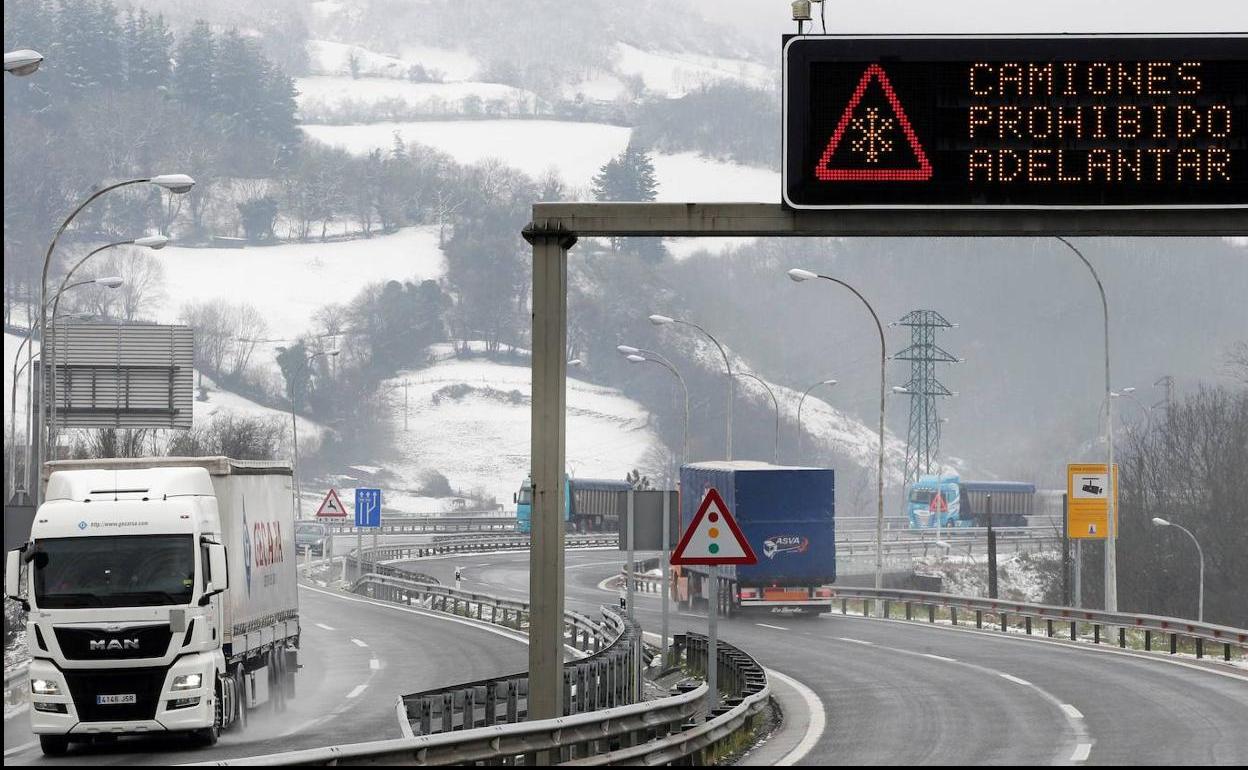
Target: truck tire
{"x": 53, "y": 745}
{"x": 240, "y": 690}
{"x": 209, "y": 735}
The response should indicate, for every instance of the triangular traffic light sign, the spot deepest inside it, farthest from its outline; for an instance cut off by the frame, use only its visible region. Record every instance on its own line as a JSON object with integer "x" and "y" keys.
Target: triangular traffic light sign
{"x": 873, "y": 127}
{"x": 713, "y": 537}
{"x": 331, "y": 507}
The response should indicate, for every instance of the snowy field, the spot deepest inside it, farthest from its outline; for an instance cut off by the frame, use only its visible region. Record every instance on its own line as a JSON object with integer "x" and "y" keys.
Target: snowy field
{"x": 676, "y": 74}
{"x": 330, "y": 95}
{"x": 577, "y": 150}
{"x": 688, "y": 176}
{"x": 223, "y": 402}
{"x": 291, "y": 282}
{"x": 469, "y": 420}
{"x": 445, "y": 64}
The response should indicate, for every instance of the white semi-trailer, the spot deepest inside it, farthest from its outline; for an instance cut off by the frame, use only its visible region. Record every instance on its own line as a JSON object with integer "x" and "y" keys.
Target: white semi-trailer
{"x": 162, "y": 596}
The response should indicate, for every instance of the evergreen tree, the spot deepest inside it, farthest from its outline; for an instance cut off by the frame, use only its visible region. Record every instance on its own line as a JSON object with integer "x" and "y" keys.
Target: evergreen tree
{"x": 630, "y": 177}
{"x": 148, "y": 43}
{"x": 196, "y": 58}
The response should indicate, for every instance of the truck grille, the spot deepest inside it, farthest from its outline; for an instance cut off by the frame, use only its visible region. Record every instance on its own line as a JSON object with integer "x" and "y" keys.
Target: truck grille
{"x": 127, "y": 644}
{"x": 144, "y": 683}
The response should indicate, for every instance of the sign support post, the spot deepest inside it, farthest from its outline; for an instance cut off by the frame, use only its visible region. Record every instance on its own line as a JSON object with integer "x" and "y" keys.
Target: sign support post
{"x": 712, "y": 647}
{"x": 631, "y": 579}
{"x": 663, "y": 569}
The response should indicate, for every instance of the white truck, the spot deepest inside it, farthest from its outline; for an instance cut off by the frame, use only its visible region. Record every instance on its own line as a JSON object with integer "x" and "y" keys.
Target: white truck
{"x": 162, "y": 596}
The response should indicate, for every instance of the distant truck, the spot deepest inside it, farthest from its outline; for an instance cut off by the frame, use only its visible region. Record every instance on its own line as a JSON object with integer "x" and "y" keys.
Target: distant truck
{"x": 589, "y": 505}
{"x": 788, "y": 516}
{"x": 947, "y": 501}
{"x": 162, "y": 597}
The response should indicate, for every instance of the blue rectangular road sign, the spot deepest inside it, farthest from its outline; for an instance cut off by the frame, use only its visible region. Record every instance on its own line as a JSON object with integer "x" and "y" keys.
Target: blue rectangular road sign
{"x": 368, "y": 508}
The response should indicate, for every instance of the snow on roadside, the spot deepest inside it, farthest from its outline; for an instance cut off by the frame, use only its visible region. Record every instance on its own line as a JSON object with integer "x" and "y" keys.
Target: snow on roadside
{"x": 687, "y": 176}
{"x": 576, "y": 150}
{"x": 469, "y": 420}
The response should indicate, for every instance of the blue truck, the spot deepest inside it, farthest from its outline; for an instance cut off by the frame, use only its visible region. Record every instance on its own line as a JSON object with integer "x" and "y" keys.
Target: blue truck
{"x": 947, "y": 501}
{"x": 788, "y": 515}
{"x": 589, "y": 505}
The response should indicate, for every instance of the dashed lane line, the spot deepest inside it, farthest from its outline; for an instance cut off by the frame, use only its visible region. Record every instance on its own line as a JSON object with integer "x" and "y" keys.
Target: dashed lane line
{"x": 1071, "y": 711}
{"x": 327, "y": 628}
{"x": 359, "y": 643}
{"x": 777, "y": 628}
{"x": 1016, "y": 680}
{"x": 357, "y": 691}
{"x": 856, "y": 641}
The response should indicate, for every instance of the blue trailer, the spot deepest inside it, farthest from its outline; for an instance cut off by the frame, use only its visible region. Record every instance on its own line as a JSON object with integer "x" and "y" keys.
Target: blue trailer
{"x": 787, "y": 514}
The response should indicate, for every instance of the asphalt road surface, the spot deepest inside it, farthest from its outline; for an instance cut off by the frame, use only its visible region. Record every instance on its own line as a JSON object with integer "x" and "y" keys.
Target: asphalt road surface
{"x": 902, "y": 693}
{"x": 358, "y": 657}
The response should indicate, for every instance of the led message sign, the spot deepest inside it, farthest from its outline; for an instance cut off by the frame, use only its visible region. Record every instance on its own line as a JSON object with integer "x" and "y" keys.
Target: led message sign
{"x": 1025, "y": 122}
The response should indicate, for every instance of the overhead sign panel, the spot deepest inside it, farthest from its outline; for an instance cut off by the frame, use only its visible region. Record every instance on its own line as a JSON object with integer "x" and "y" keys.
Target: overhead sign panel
{"x": 1087, "y": 500}
{"x": 1016, "y": 122}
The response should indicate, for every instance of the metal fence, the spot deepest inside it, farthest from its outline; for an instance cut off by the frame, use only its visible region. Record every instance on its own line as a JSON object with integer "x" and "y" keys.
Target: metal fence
{"x": 999, "y": 614}
{"x": 463, "y": 521}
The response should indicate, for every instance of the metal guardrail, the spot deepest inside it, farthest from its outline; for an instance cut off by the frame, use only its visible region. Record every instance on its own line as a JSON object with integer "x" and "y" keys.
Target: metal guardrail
{"x": 422, "y": 524}
{"x": 1002, "y": 611}
{"x": 655, "y": 732}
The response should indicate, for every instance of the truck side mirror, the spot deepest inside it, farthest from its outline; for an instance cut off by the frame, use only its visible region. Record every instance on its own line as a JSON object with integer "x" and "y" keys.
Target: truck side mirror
{"x": 13, "y": 576}
{"x": 218, "y": 571}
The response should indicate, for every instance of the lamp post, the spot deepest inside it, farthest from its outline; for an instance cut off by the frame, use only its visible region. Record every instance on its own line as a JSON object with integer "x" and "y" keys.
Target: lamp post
{"x": 798, "y": 275}
{"x": 1111, "y": 535}
{"x": 23, "y": 62}
{"x": 639, "y": 356}
{"x": 799, "y": 413}
{"x": 662, "y": 320}
{"x": 1200, "y": 602}
{"x": 153, "y": 242}
{"x": 775, "y": 403}
{"x": 294, "y": 429}
{"x": 175, "y": 183}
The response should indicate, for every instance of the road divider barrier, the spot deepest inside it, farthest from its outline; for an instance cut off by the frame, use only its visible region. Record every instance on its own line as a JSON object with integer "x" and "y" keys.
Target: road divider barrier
{"x": 961, "y": 609}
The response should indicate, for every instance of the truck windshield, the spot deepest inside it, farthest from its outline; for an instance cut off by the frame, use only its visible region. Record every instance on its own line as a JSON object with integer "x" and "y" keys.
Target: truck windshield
{"x": 121, "y": 571}
{"x": 921, "y": 496}
{"x": 523, "y": 497}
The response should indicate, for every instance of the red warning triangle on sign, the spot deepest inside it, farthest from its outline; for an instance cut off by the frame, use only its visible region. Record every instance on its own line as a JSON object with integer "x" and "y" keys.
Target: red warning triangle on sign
{"x": 331, "y": 507}
{"x": 713, "y": 537}
{"x": 873, "y": 144}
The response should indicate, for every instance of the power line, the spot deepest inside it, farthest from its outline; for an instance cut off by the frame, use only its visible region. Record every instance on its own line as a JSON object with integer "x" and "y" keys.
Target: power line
{"x": 923, "y": 438}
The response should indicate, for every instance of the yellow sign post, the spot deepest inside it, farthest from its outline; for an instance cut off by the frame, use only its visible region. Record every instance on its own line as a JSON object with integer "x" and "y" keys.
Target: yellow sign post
{"x": 1087, "y": 501}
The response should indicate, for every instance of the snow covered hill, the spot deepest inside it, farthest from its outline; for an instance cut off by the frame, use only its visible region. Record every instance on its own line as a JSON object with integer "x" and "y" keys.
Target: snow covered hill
{"x": 469, "y": 420}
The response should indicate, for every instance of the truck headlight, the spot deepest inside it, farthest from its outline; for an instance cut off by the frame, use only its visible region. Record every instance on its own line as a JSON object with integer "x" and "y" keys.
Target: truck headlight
{"x": 187, "y": 682}
{"x": 44, "y": 687}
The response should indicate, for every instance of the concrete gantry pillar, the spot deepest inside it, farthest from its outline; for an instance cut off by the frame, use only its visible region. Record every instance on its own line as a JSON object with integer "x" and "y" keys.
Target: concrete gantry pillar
{"x": 548, "y": 434}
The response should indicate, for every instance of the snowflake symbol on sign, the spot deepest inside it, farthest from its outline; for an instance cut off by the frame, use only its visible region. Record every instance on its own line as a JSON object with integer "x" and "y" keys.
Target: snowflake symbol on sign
{"x": 872, "y": 141}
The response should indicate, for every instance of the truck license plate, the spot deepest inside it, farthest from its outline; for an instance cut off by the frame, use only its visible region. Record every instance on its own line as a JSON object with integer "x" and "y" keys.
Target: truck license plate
{"x": 109, "y": 700}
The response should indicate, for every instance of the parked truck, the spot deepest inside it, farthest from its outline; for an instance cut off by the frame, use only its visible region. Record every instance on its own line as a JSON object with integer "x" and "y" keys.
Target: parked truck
{"x": 589, "y": 505}
{"x": 947, "y": 501}
{"x": 162, "y": 597}
{"x": 788, "y": 515}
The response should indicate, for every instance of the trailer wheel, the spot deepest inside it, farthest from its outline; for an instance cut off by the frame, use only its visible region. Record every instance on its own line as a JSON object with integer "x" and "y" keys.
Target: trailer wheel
{"x": 53, "y": 745}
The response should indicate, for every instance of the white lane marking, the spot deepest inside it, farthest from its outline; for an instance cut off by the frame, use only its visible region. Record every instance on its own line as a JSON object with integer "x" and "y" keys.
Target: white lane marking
{"x": 356, "y": 692}
{"x": 855, "y": 641}
{"x": 1071, "y": 711}
{"x": 778, "y": 628}
{"x": 358, "y": 643}
{"x": 23, "y": 747}
{"x": 327, "y": 628}
{"x": 933, "y": 656}
{"x": 1081, "y": 752}
{"x": 1016, "y": 680}
{"x": 374, "y": 664}
{"x": 814, "y": 729}
{"x": 690, "y": 615}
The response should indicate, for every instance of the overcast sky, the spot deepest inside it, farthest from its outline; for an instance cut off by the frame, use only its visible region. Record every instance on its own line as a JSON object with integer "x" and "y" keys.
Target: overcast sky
{"x": 772, "y": 17}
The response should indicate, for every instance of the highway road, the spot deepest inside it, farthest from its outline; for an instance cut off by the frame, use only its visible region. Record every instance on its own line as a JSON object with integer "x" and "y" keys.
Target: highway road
{"x": 899, "y": 693}
{"x": 358, "y": 657}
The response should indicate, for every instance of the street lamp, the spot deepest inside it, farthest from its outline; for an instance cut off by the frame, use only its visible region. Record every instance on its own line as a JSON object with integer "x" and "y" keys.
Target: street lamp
{"x": 640, "y": 356}
{"x": 798, "y": 275}
{"x": 294, "y": 428}
{"x": 23, "y": 62}
{"x": 1111, "y": 535}
{"x": 1200, "y": 605}
{"x": 775, "y": 403}
{"x": 175, "y": 183}
{"x": 799, "y": 413}
{"x": 153, "y": 242}
{"x": 662, "y": 320}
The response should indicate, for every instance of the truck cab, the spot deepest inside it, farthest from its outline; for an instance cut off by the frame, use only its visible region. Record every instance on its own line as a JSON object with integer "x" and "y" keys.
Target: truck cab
{"x": 934, "y": 501}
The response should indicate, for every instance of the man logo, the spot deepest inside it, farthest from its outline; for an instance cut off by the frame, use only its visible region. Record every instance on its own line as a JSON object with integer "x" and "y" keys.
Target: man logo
{"x": 109, "y": 645}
